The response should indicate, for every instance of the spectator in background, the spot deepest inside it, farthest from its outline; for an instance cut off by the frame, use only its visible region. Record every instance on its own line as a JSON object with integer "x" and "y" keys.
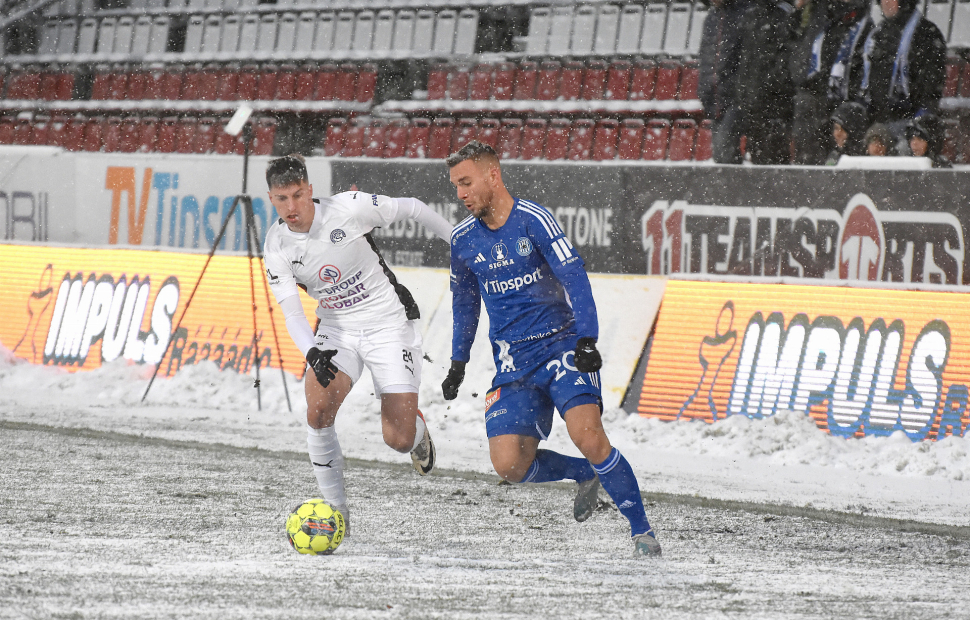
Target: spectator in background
{"x": 848, "y": 123}
{"x": 826, "y": 69}
{"x": 720, "y": 53}
{"x": 879, "y": 141}
{"x": 904, "y": 68}
{"x": 765, "y": 88}
{"x": 926, "y": 134}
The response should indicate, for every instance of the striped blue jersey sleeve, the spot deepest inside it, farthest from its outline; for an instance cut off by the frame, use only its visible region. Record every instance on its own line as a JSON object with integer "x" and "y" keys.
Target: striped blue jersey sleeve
{"x": 466, "y": 303}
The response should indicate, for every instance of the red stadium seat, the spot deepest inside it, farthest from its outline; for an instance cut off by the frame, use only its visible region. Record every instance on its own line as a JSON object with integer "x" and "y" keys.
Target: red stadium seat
{"x": 246, "y": 83}
{"x": 366, "y": 83}
{"x": 6, "y": 130}
{"x": 137, "y": 83}
{"x": 375, "y": 138}
{"x": 547, "y": 84}
{"x": 346, "y": 87}
{"x": 266, "y": 81}
{"x": 148, "y": 134}
{"x": 503, "y": 82}
{"x": 668, "y": 80}
{"x": 951, "y": 140}
{"x": 171, "y": 87}
{"x": 618, "y": 81}
{"x": 571, "y": 80}
{"x": 604, "y": 139}
{"x": 74, "y": 133}
{"x": 682, "y": 139}
{"x": 631, "y": 138}
{"x": 689, "y": 75}
{"x": 286, "y": 83}
{"x": 209, "y": 85}
{"x": 205, "y": 136}
{"x": 129, "y": 134}
{"x": 581, "y": 140}
{"x": 264, "y": 136}
{"x": 27, "y": 85}
{"x": 510, "y": 139}
{"x": 418, "y": 135}
{"x": 57, "y": 130}
{"x": 951, "y": 85}
{"x": 92, "y": 138}
{"x": 225, "y": 144}
{"x": 655, "y": 139}
{"x": 185, "y": 134}
{"x": 326, "y": 83}
{"x": 594, "y": 80}
{"x": 65, "y": 87}
{"x": 439, "y": 139}
{"x": 488, "y": 130}
{"x": 438, "y": 80}
{"x": 480, "y": 87}
{"x": 533, "y": 138}
{"x": 191, "y": 82}
{"x": 167, "y": 130}
{"x": 557, "y": 139}
{"x": 396, "y": 138}
{"x": 526, "y": 75}
{"x": 228, "y": 82}
{"x": 335, "y": 136}
{"x": 118, "y": 89}
{"x": 703, "y": 149}
{"x": 23, "y": 133}
{"x": 40, "y": 130}
{"x": 458, "y": 81}
{"x": 48, "y": 86}
{"x": 305, "y": 82}
{"x": 355, "y": 139}
{"x": 153, "y": 84}
{"x": 100, "y": 87}
{"x": 965, "y": 81}
{"x": 465, "y": 132}
{"x": 643, "y": 79}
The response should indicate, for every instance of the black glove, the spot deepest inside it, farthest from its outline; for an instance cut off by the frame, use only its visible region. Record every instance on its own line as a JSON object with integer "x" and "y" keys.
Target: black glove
{"x": 456, "y": 374}
{"x": 320, "y": 364}
{"x": 587, "y": 358}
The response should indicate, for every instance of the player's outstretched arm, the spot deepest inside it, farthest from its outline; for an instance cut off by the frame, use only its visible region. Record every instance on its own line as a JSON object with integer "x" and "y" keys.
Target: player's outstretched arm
{"x": 423, "y": 214}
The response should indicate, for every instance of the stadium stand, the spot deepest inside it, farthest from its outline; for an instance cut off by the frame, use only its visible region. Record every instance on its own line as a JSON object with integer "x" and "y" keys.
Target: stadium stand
{"x": 577, "y": 80}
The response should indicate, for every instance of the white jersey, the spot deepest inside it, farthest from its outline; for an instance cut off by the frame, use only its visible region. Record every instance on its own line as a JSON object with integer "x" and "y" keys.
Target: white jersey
{"x": 336, "y": 264}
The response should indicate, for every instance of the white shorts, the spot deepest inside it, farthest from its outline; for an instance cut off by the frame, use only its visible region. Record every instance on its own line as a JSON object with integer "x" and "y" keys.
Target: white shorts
{"x": 392, "y": 354}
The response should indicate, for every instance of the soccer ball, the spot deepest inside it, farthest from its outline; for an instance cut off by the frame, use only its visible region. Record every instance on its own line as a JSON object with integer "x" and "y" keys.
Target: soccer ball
{"x": 315, "y": 527}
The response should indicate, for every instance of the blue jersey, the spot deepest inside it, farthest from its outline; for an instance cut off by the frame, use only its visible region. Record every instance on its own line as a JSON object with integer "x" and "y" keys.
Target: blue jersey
{"x": 535, "y": 288}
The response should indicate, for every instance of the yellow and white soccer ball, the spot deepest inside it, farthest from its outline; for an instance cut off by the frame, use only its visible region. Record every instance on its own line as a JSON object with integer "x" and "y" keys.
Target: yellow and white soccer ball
{"x": 315, "y": 527}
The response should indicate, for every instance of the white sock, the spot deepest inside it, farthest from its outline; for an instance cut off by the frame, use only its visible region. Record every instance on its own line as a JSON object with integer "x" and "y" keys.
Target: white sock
{"x": 419, "y": 427}
{"x": 328, "y": 463}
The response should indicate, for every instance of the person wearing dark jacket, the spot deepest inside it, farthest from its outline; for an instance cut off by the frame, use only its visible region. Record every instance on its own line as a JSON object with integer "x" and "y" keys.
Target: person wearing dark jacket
{"x": 904, "y": 67}
{"x": 926, "y": 134}
{"x": 848, "y": 123}
{"x": 765, "y": 88}
{"x": 720, "y": 53}
{"x": 827, "y": 70}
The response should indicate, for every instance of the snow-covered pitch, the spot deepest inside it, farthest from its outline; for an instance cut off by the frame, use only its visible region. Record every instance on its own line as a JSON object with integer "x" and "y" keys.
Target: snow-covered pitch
{"x": 175, "y": 508}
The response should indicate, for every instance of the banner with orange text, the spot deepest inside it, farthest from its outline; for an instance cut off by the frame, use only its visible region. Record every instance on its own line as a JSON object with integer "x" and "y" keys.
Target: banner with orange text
{"x": 78, "y": 308}
{"x": 858, "y": 361}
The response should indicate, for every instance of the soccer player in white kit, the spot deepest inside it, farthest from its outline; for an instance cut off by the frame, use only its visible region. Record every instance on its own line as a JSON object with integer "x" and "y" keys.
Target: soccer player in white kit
{"x": 366, "y": 318}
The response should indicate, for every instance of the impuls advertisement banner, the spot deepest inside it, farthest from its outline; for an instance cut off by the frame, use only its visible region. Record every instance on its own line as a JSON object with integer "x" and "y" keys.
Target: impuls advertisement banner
{"x": 859, "y": 362}
{"x": 80, "y": 308}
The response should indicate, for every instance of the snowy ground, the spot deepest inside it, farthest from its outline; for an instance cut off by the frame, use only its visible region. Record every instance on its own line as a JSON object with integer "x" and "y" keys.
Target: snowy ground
{"x": 174, "y": 508}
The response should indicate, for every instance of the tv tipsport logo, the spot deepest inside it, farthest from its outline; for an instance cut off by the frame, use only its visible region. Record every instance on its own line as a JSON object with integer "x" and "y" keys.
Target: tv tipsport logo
{"x": 87, "y": 308}
{"x": 849, "y": 370}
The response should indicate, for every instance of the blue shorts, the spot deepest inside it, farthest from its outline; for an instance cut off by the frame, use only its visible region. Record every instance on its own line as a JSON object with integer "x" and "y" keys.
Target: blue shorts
{"x": 524, "y": 407}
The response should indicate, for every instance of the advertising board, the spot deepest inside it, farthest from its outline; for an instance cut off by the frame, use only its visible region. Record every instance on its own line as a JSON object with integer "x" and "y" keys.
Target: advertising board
{"x": 859, "y": 362}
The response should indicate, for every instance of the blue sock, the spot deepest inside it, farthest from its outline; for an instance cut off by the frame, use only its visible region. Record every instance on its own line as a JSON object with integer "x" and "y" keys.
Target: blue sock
{"x": 620, "y": 483}
{"x": 549, "y": 466}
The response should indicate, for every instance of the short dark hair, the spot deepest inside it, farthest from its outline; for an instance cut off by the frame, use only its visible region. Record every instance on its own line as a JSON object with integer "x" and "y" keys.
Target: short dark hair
{"x": 474, "y": 150}
{"x": 286, "y": 170}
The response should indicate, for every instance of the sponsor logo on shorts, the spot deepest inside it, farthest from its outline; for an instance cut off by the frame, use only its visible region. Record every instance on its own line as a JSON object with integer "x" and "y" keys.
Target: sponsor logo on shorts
{"x": 492, "y": 397}
{"x": 496, "y": 413}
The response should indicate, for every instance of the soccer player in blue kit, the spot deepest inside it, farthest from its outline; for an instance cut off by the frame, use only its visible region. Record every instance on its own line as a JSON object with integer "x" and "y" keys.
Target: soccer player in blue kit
{"x": 513, "y": 254}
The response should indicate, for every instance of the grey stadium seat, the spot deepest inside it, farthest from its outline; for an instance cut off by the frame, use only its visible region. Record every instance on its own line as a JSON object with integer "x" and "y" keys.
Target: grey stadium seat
{"x": 960, "y": 32}
{"x": 423, "y": 32}
{"x": 383, "y": 32}
{"x": 286, "y": 37}
{"x": 628, "y": 37}
{"x": 584, "y": 30}
{"x": 403, "y": 31}
{"x": 67, "y": 36}
{"x": 211, "y": 34}
{"x": 537, "y": 40}
{"x": 323, "y": 37}
{"x": 49, "y": 33}
{"x": 343, "y": 35}
{"x": 266, "y": 40}
{"x": 305, "y": 29}
{"x": 607, "y": 29}
{"x": 444, "y": 32}
{"x": 87, "y": 37}
{"x": 466, "y": 32}
{"x": 249, "y": 33}
{"x": 159, "y": 44}
{"x": 697, "y": 28}
{"x": 106, "y": 36}
{"x": 560, "y": 30}
{"x": 229, "y": 40}
{"x": 678, "y": 24}
{"x": 193, "y": 34}
{"x": 141, "y": 37}
{"x": 654, "y": 21}
{"x": 124, "y": 32}
{"x": 363, "y": 31}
